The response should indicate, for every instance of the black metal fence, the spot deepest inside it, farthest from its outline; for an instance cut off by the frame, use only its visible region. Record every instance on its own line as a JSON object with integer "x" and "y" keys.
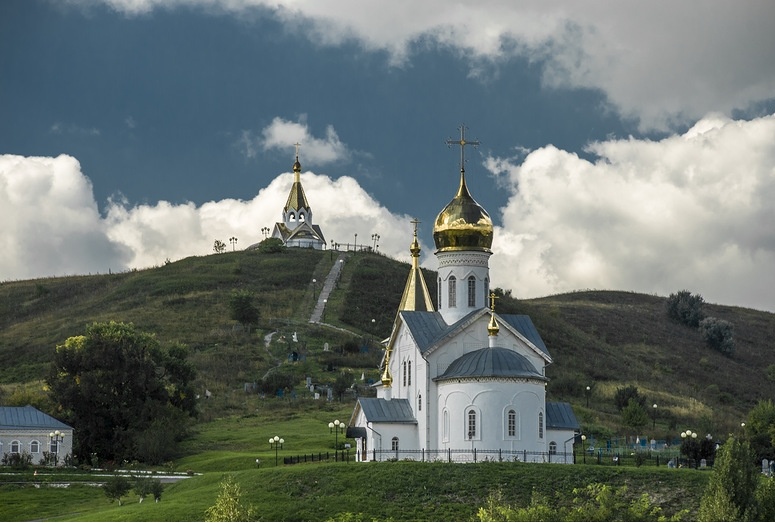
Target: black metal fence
{"x": 341, "y": 455}
{"x": 471, "y": 455}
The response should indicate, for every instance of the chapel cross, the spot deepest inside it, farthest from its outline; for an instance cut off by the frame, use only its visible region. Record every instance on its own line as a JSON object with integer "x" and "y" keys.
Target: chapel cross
{"x": 415, "y": 222}
{"x": 493, "y": 297}
{"x": 462, "y": 143}
{"x": 297, "y": 144}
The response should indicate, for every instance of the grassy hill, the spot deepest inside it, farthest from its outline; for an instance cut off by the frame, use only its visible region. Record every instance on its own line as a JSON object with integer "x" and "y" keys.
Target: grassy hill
{"x": 600, "y": 339}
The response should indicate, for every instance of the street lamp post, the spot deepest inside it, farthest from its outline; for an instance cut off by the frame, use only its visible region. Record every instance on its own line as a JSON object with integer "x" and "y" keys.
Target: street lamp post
{"x": 277, "y": 443}
{"x": 233, "y": 241}
{"x": 265, "y": 231}
{"x": 314, "y": 289}
{"x": 654, "y": 417}
{"x": 375, "y": 239}
{"x": 325, "y": 302}
{"x": 589, "y": 390}
{"x": 336, "y": 427}
{"x": 583, "y": 448}
{"x": 689, "y": 445}
{"x": 54, "y": 439}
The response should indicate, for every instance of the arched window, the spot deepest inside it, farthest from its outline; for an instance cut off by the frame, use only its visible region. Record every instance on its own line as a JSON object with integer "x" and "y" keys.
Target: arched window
{"x": 301, "y": 216}
{"x": 53, "y": 446}
{"x": 540, "y": 425}
{"x": 409, "y": 372}
{"x": 438, "y": 291}
{"x": 15, "y": 447}
{"x": 292, "y": 216}
{"x": 552, "y": 447}
{"x": 445, "y": 425}
{"x": 394, "y": 443}
{"x": 472, "y": 291}
{"x": 34, "y": 447}
{"x": 511, "y": 423}
{"x": 419, "y": 402}
{"x": 452, "y": 291}
{"x": 471, "y": 424}
{"x": 403, "y": 366}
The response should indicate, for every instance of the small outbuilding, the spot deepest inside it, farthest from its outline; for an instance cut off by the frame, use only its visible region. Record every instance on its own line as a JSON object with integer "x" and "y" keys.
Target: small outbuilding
{"x": 28, "y": 430}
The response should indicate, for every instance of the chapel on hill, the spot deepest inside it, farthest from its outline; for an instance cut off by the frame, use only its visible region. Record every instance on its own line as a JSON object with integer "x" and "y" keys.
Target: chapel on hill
{"x": 297, "y": 228}
{"x": 461, "y": 383}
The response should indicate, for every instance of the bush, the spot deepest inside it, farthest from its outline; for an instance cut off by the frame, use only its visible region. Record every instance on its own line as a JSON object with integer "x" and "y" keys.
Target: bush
{"x": 271, "y": 246}
{"x": 685, "y": 308}
{"x": 17, "y": 461}
{"x": 718, "y": 334}
{"x": 623, "y": 395}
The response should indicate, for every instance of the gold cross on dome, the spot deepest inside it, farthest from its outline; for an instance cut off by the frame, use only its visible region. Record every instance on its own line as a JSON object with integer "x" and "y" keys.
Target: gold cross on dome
{"x": 493, "y": 297}
{"x": 297, "y": 144}
{"x": 415, "y": 222}
{"x": 462, "y": 143}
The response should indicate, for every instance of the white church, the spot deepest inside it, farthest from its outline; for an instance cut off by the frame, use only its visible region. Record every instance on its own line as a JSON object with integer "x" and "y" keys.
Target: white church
{"x": 462, "y": 383}
{"x": 297, "y": 228}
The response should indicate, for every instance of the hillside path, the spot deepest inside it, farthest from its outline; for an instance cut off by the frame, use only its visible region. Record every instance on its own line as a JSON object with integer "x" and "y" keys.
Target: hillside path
{"x": 328, "y": 286}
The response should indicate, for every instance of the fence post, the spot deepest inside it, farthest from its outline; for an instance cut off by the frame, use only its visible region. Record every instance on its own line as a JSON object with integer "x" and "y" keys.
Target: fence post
{"x": 423, "y": 454}
{"x": 524, "y": 455}
{"x": 500, "y": 455}
{"x": 449, "y": 455}
{"x": 375, "y": 454}
{"x": 474, "y": 455}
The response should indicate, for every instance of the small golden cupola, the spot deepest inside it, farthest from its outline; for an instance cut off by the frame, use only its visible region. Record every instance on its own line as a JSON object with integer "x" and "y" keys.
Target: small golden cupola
{"x": 463, "y": 225}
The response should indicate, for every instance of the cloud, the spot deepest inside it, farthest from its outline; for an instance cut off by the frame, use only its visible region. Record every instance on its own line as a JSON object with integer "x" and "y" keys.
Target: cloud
{"x": 662, "y": 63}
{"x": 49, "y": 221}
{"x": 283, "y": 134}
{"x": 50, "y": 224}
{"x": 692, "y": 211}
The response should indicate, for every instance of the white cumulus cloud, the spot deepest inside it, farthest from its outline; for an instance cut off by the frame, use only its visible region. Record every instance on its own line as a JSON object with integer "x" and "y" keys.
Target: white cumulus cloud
{"x": 692, "y": 211}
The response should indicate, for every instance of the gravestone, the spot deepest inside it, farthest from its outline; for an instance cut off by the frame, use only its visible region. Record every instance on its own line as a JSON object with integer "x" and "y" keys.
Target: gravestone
{"x": 330, "y": 395}
{"x": 325, "y": 347}
{"x": 309, "y": 381}
{"x": 295, "y": 338}
{"x": 671, "y": 463}
{"x": 317, "y": 395}
{"x": 765, "y": 466}
{"x": 703, "y": 463}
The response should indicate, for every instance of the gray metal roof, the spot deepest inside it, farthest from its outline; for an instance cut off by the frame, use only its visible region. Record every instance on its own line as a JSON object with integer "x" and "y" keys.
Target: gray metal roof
{"x": 427, "y": 327}
{"x": 560, "y": 415}
{"x": 379, "y": 410}
{"x": 28, "y": 418}
{"x": 491, "y": 362}
{"x": 523, "y": 324}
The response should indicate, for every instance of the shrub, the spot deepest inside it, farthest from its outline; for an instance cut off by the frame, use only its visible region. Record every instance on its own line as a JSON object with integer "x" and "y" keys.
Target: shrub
{"x": 271, "y": 246}
{"x": 623, "y": 395}
{"x": 718, "y": 334}
{"x": 685, "y": 308}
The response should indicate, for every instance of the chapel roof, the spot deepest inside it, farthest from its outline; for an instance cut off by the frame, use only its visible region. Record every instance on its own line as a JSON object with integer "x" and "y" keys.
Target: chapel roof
{"x": 492, "y": 362}
{"x": 296, "y": 198}
{"x": 429, "y": 327}
{"x": 28, "y": 418}
{"x": 380, "y": 410}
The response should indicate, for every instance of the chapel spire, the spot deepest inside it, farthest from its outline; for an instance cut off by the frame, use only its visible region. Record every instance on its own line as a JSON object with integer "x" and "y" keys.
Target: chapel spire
{"x": 416, "y": 296}
{"x": 297, "y": 200}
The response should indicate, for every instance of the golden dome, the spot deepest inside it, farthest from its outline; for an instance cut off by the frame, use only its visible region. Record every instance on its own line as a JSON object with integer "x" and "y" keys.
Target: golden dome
{"x": 463, "y": 225}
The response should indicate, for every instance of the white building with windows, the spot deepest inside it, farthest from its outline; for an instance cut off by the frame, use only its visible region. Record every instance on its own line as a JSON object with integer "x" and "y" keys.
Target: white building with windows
{"x": 297, "y": 228}
{"x": 463, "y": 382}
{"x": 28, "y": 430}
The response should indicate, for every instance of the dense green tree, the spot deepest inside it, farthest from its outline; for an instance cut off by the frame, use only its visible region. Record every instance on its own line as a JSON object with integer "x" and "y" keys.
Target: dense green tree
{"x": 218, "y": 246}
{"x": 634, "y": 415}
{"x": 242, "y": 308}
{"x": 121, "y": 391}
{"x": 228, "y": 506}
{"x": 685, "y": 308}
{"x": 731, "y": 491}
{"x": 623, "y": 395}
{"x": 760, "y": 429}
{"x": 343, "y": 382}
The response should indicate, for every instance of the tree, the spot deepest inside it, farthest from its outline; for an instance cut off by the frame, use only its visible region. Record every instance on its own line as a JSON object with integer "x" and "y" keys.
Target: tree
{"x": 760, "y": 429}
{"x": 634, "y": 415}
{"x": 242, "y": 308}
{"x": 731, "y": 491}
{"x": 120, "y": 390}
{"x": 343, "y": 382}
{"x": 718, "y": 334}
{"x": 228, "y": 506}
{"x": 685, "y": 308}
{"x": 623, "y": 395}
{"x": 219, "y": 246}
{"x": 115, "y": 488}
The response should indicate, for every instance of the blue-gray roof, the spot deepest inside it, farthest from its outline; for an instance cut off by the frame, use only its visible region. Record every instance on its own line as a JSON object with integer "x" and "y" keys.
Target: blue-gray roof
{"x": 491, "y": 362}
{"x": 427, "y": 327}
{"x": 559, "y": 415}
{"x": 523, "y": 324}
{"x": 379, "y": 410}
{"x": 28, "y": 418}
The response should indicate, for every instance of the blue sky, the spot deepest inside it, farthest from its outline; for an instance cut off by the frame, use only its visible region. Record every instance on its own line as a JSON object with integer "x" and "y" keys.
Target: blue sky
{"x": 622, "y": 147}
